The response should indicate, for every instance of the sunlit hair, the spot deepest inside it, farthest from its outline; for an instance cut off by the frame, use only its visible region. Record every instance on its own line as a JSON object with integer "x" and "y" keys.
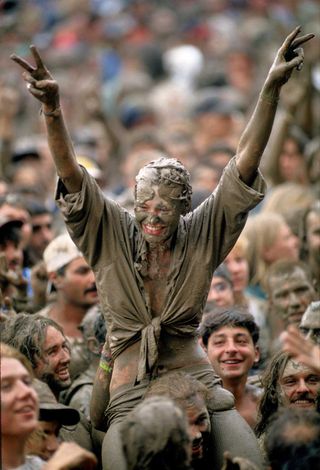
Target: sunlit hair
{"x": 270, "y": 400}
{"x": 261, "y": 231}
{"x": 170, "y": 172}
{"x": 288, "y": 197}
{"x": 241, "y": 246}
{"x": 8, "y": 352}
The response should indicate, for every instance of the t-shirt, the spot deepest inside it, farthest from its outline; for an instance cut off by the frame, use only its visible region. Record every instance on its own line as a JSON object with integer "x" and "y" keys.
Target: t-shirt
{"x": 111, "y": 241}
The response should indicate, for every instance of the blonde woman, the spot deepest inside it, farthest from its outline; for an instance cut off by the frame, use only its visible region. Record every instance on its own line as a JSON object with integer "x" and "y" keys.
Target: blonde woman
{"x": 238, "y": 266}
{"x": 269, "y": 239}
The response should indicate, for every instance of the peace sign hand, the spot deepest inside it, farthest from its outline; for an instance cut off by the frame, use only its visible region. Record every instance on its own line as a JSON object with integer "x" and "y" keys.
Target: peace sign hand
{"x": 289, "y": 56}
{"x": 40, "y": 83}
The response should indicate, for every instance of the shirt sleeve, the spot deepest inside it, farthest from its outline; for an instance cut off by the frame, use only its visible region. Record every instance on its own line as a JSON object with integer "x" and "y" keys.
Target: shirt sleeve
{"x": 91, "y": 218}
{"x": 219, "y": 220}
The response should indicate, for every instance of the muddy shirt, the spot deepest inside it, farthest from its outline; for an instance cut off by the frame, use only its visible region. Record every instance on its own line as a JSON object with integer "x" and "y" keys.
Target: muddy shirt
{"x": 78, "y": 395}
{"x": 111, "y": 241}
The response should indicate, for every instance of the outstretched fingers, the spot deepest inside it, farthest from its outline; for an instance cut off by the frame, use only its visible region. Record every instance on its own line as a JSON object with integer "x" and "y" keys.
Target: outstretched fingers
{"x": 298, "y": 41}
{"x": 37, "y": 57}
{"x": 291, "y": 44}
{"x": 290, "y": 39}
{"x": 23, "y": 63}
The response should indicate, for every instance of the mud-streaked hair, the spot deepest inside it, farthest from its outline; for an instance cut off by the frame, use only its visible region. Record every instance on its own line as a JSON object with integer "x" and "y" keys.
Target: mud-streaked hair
{"x": 27, "y": 333}
{"x": 170, "y": 172}
{"x": 270, "y": 400}
{"x": 182, "y": 388}
{"x": 155, "y": 436}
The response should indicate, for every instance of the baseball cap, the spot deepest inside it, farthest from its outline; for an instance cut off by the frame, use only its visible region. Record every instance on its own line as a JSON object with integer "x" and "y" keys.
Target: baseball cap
{"x": 60, "y": 251}
{"x": 51, "y": 410}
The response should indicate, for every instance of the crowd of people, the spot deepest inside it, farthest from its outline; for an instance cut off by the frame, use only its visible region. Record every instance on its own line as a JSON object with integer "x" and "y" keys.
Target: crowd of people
{"x": 160, "y": 235}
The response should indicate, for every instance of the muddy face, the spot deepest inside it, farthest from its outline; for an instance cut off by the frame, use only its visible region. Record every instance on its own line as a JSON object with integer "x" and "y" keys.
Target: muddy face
{"x": 157, "y": 210}
{"x": 53, "y": 366}
{"x": 199, "y": 426}
{"x": 298, "y": 386}
{"x": 310, "y": 322}
{"x": 290, "y": 296}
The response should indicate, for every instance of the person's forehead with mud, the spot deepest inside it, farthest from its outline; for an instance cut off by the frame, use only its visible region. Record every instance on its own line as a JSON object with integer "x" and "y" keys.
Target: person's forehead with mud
{"x": 298, "y": 386}
{"x": 162, "y": 195}
{"x": 310, "y": 322}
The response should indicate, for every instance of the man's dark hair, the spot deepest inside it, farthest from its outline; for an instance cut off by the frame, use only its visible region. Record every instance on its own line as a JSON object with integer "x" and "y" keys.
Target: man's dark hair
{"x": 293, "y": 440}
{"x": 269, "y": 402}
{"x": 37, "y": 208}
{"x": 234, "y": 317}
{"x": 10, "y": 233}
{"x": 27, "y": 333}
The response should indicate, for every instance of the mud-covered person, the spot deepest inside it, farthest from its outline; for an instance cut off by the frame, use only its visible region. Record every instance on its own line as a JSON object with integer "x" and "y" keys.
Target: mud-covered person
{"x": 153, "y": 271}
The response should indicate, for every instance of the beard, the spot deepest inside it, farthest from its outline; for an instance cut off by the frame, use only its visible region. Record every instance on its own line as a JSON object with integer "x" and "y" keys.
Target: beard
{"x": 55, "y": 384}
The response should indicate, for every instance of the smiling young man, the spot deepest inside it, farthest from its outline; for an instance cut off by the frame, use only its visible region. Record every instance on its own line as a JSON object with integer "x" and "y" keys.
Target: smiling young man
{"x": 230, "y": 337}
{"x": 153, "y": 270}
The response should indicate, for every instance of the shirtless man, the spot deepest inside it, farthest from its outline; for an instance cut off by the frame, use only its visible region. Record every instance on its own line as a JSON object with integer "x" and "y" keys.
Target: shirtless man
{"x": 153, "y": 271}
{"x": 230, "y": 338}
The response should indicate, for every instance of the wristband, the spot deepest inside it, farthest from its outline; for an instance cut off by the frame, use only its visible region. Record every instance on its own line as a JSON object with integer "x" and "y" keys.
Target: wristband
{"x": 55, "y": 113}
{"x": 106, "y": 367}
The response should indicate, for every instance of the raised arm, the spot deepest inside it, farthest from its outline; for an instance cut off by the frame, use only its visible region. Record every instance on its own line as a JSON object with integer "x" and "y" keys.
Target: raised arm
{"x": 42, "y": 86}
{"x": 256, "y": 134}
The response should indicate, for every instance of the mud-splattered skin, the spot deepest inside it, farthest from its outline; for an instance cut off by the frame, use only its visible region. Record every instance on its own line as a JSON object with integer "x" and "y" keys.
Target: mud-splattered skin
{"x": 158, "y": 217}
{"x": 298, "y": 386}
{"x": 158, "y": 209}
{"x": 291, "y": 296}
{"x": 310, "y": 322}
